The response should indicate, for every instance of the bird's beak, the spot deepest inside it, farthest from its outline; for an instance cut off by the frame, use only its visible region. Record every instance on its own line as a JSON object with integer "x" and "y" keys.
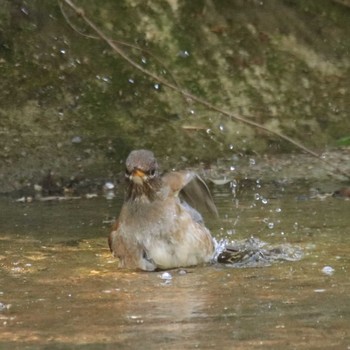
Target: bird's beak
{"x": 137, "y": 176}
{"x": 138, "y": 172}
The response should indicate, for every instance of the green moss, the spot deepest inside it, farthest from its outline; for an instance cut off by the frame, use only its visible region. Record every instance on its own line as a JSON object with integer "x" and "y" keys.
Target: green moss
{"x": 283, "y": 64}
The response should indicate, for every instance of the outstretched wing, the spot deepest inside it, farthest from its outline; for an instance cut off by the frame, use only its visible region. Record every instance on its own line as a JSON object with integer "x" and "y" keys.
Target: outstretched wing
{"x": 192, "y": 189}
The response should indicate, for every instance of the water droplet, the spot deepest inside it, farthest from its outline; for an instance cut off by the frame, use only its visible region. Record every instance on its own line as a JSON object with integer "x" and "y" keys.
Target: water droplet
{"x": 76, "y": 139}
{"x": 105, "y": 79}
{"x": 328, "y": 270}
{"x": 232, "y": 168}
{"x": 183, "y": 54}
{"x": 166, "y": 276}
{"x": 233, "y": 183}
{"x": 230, "y": 146}
{"x": 256, "y": 196}
{"x": 278, "y": 210}
{"x": 135, "y": 317}
{"x": 221, "y": 128}
{"x": 252, "y": 161}
{"x": 63, "y": 52}
{"x": 108, "y": 186}
{"x": 264, "y": 200}
{"x": 270, "y": 225}
{"x": 25, "y": 11}
{"x": 144, "y": 60}
{"x": 156, "y": 86}
{"x": 131, "y": 81}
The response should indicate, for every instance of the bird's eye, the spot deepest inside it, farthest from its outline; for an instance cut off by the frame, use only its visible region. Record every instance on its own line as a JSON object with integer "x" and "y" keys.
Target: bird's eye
{"x": 152, "y": 172}
{"x": 127, "y": 172}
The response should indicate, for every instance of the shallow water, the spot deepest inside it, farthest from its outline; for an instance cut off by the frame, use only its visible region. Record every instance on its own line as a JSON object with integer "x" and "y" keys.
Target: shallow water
{"x": 60, "y": 287}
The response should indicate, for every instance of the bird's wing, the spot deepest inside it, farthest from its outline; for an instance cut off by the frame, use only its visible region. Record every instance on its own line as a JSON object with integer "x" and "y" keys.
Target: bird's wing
{"x": 192, "y": 189}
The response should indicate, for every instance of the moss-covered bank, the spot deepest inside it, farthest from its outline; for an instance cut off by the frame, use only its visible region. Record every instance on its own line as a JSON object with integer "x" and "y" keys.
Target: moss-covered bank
{"x": 69, "y": 104}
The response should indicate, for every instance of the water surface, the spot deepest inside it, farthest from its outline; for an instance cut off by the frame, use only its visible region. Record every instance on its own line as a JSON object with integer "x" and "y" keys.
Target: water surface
{"x": 60, "y": 287}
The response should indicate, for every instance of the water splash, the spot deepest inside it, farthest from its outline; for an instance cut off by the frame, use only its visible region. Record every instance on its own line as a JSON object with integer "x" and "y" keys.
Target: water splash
{"x": 253, "y": 252}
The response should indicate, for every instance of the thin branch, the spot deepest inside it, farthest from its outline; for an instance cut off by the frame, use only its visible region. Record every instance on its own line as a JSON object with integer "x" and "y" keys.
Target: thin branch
{"x": 80, "y": 12}
{"x": 122, "y": 43}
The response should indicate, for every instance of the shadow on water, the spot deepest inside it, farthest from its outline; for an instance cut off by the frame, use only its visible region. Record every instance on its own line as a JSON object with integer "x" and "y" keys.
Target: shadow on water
{"x": 60, "y": 287}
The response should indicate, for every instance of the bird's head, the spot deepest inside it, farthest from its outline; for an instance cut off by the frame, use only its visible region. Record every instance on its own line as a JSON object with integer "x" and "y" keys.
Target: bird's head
{"x": 142, "y": 175}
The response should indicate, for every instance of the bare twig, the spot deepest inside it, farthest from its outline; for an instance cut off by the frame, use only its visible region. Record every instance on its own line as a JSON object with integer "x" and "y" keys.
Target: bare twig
{"x": 345, "y": 3}
{"x": 122, "y": 43}
{"x": 114, "y": 45}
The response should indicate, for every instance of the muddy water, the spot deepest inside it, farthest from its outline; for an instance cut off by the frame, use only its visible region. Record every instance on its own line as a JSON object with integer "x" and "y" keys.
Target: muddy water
{"x": 60, "y": 288}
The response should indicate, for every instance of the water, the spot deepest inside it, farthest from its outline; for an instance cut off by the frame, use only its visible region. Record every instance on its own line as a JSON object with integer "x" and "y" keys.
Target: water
{"x": 60, "y": 288}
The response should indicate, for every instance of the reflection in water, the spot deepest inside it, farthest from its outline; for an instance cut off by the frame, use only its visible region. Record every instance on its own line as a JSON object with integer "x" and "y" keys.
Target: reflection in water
{"x": 60, "y": 286}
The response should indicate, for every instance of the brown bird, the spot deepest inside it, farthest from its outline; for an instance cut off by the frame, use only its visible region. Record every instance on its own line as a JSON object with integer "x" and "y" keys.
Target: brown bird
{"x": 155, "y": 228}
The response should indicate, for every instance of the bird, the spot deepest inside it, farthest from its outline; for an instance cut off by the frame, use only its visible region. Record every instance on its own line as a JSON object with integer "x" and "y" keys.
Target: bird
{"x": 158, "y": 227}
